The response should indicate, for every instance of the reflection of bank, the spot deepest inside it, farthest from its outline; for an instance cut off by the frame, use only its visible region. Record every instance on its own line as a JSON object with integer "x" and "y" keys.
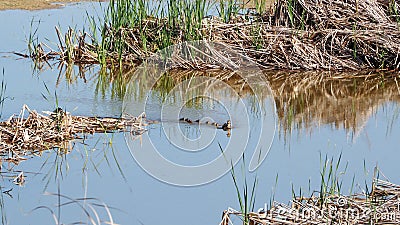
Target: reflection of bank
{"x": 303, "y": 99}
{"x": 341, "y": 100}
{"x": 239, "y": 93}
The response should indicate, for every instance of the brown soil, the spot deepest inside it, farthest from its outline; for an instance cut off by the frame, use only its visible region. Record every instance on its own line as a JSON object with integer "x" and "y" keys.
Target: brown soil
{"x": 34, "y": 4}
{"x": 252, "y": 3}
{"x": 51, "y": 4}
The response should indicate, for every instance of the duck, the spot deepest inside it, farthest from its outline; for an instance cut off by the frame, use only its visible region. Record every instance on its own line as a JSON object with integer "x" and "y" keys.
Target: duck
{"x": 228, "y": 133}
{"x": 188, "y": 120}
{"x": 227, "y": 125}
{"x": 215, "y": 124}
{"x": 182, "y": 119}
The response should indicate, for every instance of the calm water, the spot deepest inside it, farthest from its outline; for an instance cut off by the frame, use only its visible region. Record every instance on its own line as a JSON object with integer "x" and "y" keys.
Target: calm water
{"x": 359, "y": 122}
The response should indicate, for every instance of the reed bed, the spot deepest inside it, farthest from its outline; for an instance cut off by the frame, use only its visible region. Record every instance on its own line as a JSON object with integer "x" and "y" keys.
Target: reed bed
{"x": 292, "y": 34}
{"x": 381, "y": 206}
{"x": 30, "y": 132}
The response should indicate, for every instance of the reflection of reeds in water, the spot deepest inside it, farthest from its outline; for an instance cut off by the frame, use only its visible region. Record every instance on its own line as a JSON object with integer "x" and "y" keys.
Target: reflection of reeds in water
{"x": 3, "y": 88}
{"x": 200, "y": 90}
{"x": 303, "y": 99}
{"x": 342, "y": 100}
{"x": 91, "y": 208}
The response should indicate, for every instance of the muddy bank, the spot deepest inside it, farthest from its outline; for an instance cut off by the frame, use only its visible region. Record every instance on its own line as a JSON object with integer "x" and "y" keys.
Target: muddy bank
{"x": 36, "y": 4}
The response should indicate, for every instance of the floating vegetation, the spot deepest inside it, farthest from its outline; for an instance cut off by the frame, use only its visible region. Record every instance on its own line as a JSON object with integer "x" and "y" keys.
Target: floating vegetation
{"x": 381, "y": 206}
{"x": 30, "y": 132}
{"x": 293, "y": 34}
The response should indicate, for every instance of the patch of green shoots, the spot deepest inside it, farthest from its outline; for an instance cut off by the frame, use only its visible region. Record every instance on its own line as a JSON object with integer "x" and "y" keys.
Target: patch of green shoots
{"x": 228, "y": 9}
{"x": 261, "y": 6}
{"x": 393, "y": 11}
{"x": 290, "y": 7}
{"x": 331, "y": 183}
{"x": 245, "y": 194}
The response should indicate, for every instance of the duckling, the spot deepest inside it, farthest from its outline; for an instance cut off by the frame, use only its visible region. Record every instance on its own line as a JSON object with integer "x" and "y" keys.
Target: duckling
{"x": 182, "y": 119}
{"x": 188, "y": 120}
{"x": 197, "y": 121}
{"x": 227, "y": 125}
{"x": 207, "y": 122}
{"x": 228, "y": 133}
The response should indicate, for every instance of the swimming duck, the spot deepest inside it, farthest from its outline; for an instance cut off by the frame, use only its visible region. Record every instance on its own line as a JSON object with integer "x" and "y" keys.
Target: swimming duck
{"x": 227, "y": 125}
{"x": 215, "y": 124}
{"x": 182, "y": 119}
{"x": 188, "y": 120}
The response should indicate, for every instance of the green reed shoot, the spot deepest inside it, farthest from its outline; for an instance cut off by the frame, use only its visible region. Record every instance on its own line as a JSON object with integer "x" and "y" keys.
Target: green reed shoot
{"x": 330, "y": 178}
{"x": 3, "y": 88}
{"x": 261, "y": 6}
{"x": 291, "y": 9}
{"x": 246, "y": 194}
{"x": 156, "y": 27}
{"x": 257, "y": 37}
{"x": 393, "y": 11}
{"x": 33, "y": 40}
{"x": 2, "y": 208}
{"x": 227, "y": 9}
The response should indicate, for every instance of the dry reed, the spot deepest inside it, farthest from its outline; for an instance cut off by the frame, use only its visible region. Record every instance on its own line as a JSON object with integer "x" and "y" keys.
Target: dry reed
{"x": 294, "y": 34}
{"x": 31, "y": 132}
{"x": 381, "y": 206}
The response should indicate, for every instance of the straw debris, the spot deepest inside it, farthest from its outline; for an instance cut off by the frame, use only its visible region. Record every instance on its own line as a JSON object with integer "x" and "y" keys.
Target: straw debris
{"x": 381, "y": 206}
{"x": 31, "y": 132}
{"x": 293, "y": 34}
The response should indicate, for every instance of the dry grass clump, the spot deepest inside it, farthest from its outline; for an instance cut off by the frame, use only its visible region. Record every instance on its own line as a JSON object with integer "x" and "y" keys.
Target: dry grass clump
{"x": 294, "y": 34}
{"x": 31, "y": 132}
{"x": 315, "y": 34}
{"x": 381, "y": 206}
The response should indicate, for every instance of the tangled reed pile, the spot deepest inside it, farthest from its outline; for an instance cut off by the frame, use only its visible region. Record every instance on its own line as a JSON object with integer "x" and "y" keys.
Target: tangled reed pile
{"x": 293, "y": 34}
{"x": 320, "y": 34}
{"x": 381, "y": 206}
{"x": 24, "y": 135}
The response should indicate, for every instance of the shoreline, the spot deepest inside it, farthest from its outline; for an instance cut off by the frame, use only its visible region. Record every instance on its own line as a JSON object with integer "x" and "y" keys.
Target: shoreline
{"x": 38, "y": 4}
